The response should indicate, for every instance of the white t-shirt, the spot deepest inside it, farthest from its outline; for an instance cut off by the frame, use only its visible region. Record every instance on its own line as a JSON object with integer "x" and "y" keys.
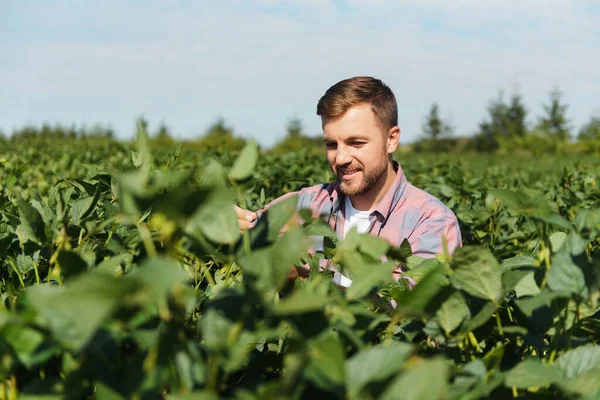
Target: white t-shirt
{"x": 354, "y": 218}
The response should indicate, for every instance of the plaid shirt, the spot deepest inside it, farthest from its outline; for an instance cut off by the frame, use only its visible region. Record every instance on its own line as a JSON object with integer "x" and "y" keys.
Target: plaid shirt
{"x": 405, "y": 212}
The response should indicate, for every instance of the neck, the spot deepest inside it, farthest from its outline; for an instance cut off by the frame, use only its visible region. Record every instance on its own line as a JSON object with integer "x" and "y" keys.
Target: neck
{"x": 368, "y": 200}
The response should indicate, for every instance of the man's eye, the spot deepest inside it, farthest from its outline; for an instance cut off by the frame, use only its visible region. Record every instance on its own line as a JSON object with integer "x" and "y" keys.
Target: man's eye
{"x": 330, "y": 145}
{"x": 358, "y": 144}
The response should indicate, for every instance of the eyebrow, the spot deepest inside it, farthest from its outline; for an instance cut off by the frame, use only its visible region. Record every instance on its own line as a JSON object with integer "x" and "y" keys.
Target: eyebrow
{"x": 349, "y": 139}
{"x": 357, "y": 138}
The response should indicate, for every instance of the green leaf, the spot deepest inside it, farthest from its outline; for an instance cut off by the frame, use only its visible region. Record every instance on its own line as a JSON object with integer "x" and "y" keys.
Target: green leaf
{"x": 73, "y": 313}
{"x": 142, "y": 158}
{"x": 216, "y": 218}
{"x": 104, "y": 392}
{"x": 244, "y": 165}
{"x": 373, "y": 246}
{"x": 531, "y": 373}
{"x": 199, "y": 395}
{"x": 375, "y": 364}
{"x": 414, "y": 302}
{"x": 478, "y": 273}
{"x": 268, "y": 268}
{"x": 422, "y": 267}
{"x": 525, "y": 202}
{"x": 544, "y": 299}
{"x": 32, "y": 223}
{"x": 24, "y": 263}
{"x": 427, "y": 380}
{"x": 556, "y": 240}
{"x": 83, "y": 208}
{"x": 481, "y": 317}
{"x": 453, "y": 312}
{"x": 156, "y": 278}
{"x": 369, "y": 277}
{"x": 279, "y": 215}
{"x": 517, "y": 262}
{"x": 521, "y": 280}
{"x": 112, "y": 265}
{"x": 326, "y": 366}
{"x": 578, "y": 361}
{"x": 215, "y": 329}
{"x": 565, "y": 275}
{"x": 71, "y": 264}
{"x": 527, "y": 286}
{"x": 23, "y": 340}
{"x": 586, "y": 384}
{"x": 320, "y": 228}
{"x": 300, "y": 302}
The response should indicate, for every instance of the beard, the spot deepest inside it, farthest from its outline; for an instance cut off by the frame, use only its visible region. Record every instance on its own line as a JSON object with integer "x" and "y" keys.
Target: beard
{"x": 363, "y": 183}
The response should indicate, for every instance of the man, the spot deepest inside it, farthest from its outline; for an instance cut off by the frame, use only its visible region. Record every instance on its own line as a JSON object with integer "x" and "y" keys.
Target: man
{"x": 360, "y": 130}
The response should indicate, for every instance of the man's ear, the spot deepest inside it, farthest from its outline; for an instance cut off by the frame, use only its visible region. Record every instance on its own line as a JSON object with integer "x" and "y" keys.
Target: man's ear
{"x": 393, "y": 139}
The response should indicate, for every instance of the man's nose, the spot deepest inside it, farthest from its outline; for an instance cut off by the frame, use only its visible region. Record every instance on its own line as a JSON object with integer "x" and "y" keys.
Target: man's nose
{"x": 342, "y": 156}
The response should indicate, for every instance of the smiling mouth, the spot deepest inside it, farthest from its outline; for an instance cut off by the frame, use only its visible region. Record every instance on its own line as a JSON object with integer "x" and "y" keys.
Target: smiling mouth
{"x": 348, "y": 174}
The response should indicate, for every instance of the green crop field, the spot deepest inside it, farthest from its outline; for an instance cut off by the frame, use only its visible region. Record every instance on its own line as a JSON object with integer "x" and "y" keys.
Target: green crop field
{"x": 123, "y": 275}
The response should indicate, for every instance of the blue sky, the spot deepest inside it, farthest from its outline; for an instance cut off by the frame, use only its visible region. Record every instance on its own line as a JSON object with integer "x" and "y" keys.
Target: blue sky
{"x": 258, "y": 63}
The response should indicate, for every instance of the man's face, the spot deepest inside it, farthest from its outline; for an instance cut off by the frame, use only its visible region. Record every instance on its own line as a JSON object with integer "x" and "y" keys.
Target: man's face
{"x": 357, "y": 149}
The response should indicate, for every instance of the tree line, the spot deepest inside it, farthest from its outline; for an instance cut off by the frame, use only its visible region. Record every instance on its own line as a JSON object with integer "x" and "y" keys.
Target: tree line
{"x": 508, "y": 120}
{"x": 505, "y": 124}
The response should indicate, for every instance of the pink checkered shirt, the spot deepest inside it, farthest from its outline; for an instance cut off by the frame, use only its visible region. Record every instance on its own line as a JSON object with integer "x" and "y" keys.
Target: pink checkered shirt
{"x": 405, "y": 212}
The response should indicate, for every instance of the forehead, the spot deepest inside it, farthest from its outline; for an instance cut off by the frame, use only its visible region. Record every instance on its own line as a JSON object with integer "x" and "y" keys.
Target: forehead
{"x": 357, "y": 121}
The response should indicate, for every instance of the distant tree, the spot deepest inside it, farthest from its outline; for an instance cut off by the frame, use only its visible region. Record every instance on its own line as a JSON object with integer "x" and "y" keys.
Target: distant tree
{"x": 46, "y": 131}
{"x": 163, "y": 136}
{"x": 516, "y": 116}
{"x": 97, "y": 131}
{"x": 591, "y": 130}
{"x": 555, "y": 123}
{"x": 294, "y": 127}
{"x": 493, "y": 127}
{"x": 504, "y": 120}
{"x": 163, "y": 132}
{"x": 141, "y": 122}
{"x": 72, "y": 132}
{"x": 219, "y": 128}
{"x": 220, "y": 137}
{"x": 433, "y": 126}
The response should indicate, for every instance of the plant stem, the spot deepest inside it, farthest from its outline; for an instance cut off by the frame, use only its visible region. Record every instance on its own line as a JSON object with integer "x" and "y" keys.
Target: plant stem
{"x": 499, "y": 323}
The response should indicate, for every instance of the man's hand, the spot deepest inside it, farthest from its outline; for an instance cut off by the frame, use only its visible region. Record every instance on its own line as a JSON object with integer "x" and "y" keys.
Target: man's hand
{"x": 246, "y": 218}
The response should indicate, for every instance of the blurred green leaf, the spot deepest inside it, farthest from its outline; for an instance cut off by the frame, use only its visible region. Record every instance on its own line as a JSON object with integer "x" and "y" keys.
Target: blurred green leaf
{"x": 477, "y": 273}
{"x": 326, "y": 366}
{"x": 245, "y": 163}
{"x": 375, "y": 364}
{"x": 300, "y": 302}
{"x": 216, "y": 218}
{"x": 453, "y": 312}
{"x": 576, "y": 362}
{"x": 428, "y": 379}
{"x": 31, "y": 223}
{"x": 531, "y": 373}
{"x": 71, "y": 264}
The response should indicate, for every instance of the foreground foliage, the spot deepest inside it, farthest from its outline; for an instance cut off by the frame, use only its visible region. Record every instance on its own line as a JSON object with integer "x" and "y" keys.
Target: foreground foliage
{"x": 123, "y": 275}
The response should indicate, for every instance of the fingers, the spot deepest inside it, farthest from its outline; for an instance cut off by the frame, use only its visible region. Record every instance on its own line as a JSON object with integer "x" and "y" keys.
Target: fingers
{"x": 246, "y": 219}
{"x": 298, "y": 272}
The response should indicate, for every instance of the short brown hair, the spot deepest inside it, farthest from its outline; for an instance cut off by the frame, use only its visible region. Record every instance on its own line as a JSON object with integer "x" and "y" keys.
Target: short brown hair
{"x": 356, "y": 91}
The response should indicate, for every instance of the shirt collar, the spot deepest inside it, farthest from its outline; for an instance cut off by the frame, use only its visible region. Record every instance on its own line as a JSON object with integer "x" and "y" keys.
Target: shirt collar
{"x": 393, "y": 195}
